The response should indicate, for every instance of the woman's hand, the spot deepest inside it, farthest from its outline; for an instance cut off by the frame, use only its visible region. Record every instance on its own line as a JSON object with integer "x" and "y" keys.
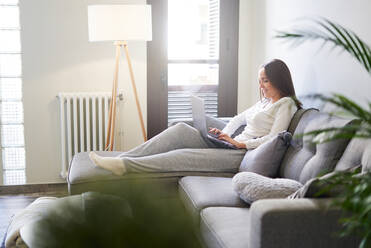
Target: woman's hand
{"x": 224, "y": 136}
{"x": 214, "y": 130}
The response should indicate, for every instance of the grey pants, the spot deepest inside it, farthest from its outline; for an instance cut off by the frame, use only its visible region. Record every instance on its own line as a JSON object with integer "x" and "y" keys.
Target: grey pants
{"x": 181, "y": 148}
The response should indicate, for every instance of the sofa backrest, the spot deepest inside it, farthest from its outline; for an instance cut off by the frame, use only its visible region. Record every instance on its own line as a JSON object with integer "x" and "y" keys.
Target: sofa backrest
{"x": 358, "y": 152}
{"x": 304, "y": 159}
{"x": 296, "y": 118}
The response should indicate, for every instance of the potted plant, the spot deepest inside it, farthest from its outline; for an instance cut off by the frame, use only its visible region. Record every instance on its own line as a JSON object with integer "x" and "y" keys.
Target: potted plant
{"x": 355, "y": 198}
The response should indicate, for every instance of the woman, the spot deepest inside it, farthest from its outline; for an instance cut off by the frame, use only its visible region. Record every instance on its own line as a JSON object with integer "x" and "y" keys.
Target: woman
{"x": 182, "y": 148}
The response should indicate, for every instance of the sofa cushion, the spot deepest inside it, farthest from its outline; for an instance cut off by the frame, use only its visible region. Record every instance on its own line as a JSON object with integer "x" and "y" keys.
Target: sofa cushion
{"x": 322, "y": 187}
{"x": 358, "y": 152}
{"x": 251, "y": 186}
{"x": 84, "y": 176}
{"x": 225, "y": 227}
{"x": 198, "y": 193}
{"x": 304, "y": 159}
{"x": 83, "y": 170}
{"x": 266, "y": 158}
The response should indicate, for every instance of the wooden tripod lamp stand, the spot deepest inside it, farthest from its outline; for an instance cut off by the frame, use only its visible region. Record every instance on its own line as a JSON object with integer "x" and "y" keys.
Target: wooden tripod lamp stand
{"x": 120, "y": 23}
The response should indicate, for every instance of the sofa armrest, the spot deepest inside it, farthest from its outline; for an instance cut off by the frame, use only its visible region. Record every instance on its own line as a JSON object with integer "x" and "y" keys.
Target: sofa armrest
{"x": 296, "y": 223}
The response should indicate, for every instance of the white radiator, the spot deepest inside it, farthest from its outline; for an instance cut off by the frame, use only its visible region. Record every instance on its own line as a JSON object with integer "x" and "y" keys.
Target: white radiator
{"x": 83, "y": 118}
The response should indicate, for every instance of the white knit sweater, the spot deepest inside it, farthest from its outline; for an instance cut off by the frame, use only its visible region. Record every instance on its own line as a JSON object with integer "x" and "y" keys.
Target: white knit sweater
{"x": 263, "y": 121}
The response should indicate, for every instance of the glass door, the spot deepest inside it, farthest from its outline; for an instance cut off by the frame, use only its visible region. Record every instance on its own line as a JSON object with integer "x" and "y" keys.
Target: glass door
{"x": 193, "y": 55}
{"x": 194, "y": 50}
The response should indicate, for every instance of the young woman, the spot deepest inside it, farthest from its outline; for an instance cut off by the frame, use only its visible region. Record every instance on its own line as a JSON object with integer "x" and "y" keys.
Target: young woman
{"x": 182, "y": 148}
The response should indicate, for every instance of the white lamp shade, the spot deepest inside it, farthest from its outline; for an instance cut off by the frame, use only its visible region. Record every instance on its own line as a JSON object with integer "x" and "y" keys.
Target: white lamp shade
{"x": 119, "y": 22}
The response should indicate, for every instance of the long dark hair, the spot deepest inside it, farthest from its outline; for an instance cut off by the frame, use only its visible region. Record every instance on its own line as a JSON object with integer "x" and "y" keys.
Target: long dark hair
{"x": 280, "y": 77}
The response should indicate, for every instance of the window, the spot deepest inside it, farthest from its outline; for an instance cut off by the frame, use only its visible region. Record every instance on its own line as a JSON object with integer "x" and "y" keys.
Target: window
{"x": 193, "y": 51}
{"x": 11, "y": 106}
{"x": 193, "y": 55}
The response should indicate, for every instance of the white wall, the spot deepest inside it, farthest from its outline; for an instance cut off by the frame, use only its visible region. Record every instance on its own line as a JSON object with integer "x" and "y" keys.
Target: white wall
{"x": 57, "y": 57}
{"x": 312, "y": 70}
{"x": 251, "y": 51}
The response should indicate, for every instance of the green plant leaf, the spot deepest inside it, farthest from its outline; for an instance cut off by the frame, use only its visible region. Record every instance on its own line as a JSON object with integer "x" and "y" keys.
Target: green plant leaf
{"x": 355, "y": 199}
{"x": 349, "y": 45}
{"x": 331, "y": 33}
{"x": 353, "y": 107}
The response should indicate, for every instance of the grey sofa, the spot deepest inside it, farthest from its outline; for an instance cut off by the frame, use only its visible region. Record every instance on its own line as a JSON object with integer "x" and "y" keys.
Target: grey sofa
{"x": 84, "y": 176}
{"x": 224, "y": 220}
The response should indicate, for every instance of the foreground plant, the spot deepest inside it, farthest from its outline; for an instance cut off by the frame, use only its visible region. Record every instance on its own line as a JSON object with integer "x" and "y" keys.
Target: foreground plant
{"x": 355, "y": 197}
{"x": 134, "y": 218}
{"x": 360, "y": 128}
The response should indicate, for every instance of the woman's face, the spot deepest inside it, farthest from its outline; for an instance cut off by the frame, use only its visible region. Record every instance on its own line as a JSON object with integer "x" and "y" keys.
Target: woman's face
{"x": 268, "y": 90}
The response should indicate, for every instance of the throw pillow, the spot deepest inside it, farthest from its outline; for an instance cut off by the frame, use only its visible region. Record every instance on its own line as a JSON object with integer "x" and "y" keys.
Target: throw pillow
{"x": 266, "y": 158}
{"x": 251, "y": 186}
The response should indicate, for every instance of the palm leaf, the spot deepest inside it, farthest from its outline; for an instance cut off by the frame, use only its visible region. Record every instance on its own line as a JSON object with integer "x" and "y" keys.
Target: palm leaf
{"x": 331, "y": 33}
{"x": 336, "y": 31}
{"x": 354, "y": 108}
{"x": 356, "y": 197}
{"x": 358, "y": 128}
{"x": 346, "y": 104}
{"x": 334, "y": 133}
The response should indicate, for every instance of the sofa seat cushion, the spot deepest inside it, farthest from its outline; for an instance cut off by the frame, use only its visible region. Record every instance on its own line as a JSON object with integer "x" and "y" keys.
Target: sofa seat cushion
{"x": 83, "y": 170}
{"x": 84, "y": 176}
{"x": 225, "y": 227}
{"x": 198, "y": 193}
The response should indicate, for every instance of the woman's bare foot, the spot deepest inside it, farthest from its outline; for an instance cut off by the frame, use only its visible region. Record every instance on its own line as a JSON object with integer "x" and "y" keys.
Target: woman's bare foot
{"x": 114, "y": 164}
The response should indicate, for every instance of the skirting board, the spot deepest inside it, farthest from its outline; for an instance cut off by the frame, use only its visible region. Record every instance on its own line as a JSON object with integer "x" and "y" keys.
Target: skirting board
{"x": 33, "y": 188}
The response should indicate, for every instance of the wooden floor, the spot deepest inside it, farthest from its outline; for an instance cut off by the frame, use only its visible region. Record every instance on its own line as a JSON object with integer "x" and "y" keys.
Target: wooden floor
{"x": 12, "y": 204}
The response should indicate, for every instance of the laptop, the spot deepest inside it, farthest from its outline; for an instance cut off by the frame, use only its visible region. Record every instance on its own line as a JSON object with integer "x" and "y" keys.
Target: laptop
{"x": 199, "y": 122}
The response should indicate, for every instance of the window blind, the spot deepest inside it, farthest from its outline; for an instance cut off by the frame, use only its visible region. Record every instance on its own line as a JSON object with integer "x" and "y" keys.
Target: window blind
{"x": 206, "y": 87}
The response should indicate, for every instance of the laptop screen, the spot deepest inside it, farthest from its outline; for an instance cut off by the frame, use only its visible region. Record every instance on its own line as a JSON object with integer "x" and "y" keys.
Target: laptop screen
{"x": 198, "y": 114}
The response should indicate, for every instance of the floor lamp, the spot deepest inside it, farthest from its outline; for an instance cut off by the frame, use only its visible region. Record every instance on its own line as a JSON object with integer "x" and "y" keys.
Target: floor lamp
{"x": 120, "y": 23}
